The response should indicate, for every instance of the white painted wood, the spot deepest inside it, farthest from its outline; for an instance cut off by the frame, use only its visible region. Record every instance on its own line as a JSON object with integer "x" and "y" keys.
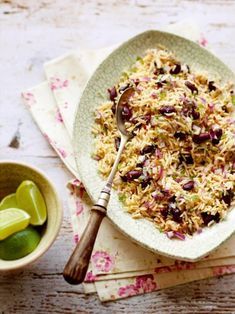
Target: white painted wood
{"x": 32, "y": 32}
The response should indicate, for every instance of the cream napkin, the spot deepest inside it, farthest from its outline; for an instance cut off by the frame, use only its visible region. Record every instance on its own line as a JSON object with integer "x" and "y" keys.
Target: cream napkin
{"x": 118, "y": 267}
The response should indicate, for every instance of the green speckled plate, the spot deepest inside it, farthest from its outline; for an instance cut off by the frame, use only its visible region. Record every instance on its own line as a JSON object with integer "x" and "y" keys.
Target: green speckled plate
{"x": 106, "y": 75}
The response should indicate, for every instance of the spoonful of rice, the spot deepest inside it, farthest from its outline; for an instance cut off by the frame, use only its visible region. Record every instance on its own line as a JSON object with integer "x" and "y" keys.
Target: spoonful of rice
{"x": 77, "y": 265}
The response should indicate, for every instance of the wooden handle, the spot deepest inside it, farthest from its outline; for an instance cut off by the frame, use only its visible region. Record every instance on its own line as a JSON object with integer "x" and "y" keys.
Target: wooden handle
{"x": 76, "y": 267}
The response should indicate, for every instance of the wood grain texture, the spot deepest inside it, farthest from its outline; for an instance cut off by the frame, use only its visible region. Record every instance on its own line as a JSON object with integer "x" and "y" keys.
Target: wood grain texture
{"x": 35, "y": 31}
{"x": 76, "y": 268}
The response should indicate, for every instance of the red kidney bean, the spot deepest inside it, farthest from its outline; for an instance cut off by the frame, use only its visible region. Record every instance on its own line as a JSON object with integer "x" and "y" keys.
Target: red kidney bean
{"x": 176, "y": 69}
{"x": 146, "y": 181}
{"x": 188, "y": 159}
{"x": 165, "y": 110}
{"x": 172, "y": 199}
{"x": 195, "y": 114}
{"x": 207, "y": 218}
{"x": 164, "y": 212}
{"x": 131, "y": 175}
{"x": 180, "y": 135}
{"x": 211, "y": 86}
{"x": 201, "y": 138}
{"x": 148, "y": 149}
{"x": 126, "y": 112}
{"x": 176, "y": 214}
{"x": 227, "y": 197}
{"x": 215, "y": 136}
{"x": 159, "y": 84}
{"x": 191, "y": 86}
{"x": 112, "y": 93}
{"x": 188, "y": 186}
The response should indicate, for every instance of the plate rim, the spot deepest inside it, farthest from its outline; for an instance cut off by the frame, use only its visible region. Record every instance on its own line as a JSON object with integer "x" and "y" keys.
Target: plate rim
{"x": 189, "y": 257}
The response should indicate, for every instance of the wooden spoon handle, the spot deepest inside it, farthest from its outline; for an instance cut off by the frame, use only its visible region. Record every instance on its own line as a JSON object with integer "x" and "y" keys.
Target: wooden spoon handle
{"x": 76, "y": 267}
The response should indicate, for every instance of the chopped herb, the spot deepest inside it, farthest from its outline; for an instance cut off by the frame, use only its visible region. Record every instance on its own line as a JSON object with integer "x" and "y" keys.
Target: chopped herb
{"x": 122, "y": 198}
{"x": 135, "y": 69}
{"x": 233, "y": 99}
{"x": 162, "y": 95}
{"x": 141, "y": 60}
{"x": 125, "y": 76}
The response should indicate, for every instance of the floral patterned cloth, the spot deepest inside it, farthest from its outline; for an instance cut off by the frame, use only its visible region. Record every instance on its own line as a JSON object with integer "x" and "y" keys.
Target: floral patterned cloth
{"x": 118, "y": 267}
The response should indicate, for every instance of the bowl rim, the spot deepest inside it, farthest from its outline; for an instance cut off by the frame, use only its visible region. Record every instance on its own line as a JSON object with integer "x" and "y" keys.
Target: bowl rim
{"x": 28, "y": 259}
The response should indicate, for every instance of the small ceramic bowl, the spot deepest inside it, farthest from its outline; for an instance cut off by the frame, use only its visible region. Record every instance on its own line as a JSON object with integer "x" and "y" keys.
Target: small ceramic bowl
{"x": 12, "y": 173}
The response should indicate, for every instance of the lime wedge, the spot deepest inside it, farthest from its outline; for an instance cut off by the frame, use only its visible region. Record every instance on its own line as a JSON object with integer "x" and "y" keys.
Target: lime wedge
{"x": 8, "y": 201}
{"x": 30, "y": 198}
{"x": 12, "y": 220}
{"x": 19, "y": 244}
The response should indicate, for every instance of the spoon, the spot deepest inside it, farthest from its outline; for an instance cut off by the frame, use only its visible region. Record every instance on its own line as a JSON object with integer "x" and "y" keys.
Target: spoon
{"x": 76, "y": 267}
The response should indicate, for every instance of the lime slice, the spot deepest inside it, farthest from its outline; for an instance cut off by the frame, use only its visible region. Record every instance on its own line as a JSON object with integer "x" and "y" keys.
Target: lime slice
{"x": 19, "y": 244}
{"x": 30, "y": 198}
{"x": 12, "y": 220}
{"x": 8, "y": 201}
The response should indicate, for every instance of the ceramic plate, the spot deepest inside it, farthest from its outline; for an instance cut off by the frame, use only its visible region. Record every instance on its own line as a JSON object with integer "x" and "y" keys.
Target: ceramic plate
{"x": 106, "y": 75}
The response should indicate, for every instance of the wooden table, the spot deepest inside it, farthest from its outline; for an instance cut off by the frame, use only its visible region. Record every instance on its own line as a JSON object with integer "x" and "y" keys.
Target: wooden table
{"x": 32, "y": 32}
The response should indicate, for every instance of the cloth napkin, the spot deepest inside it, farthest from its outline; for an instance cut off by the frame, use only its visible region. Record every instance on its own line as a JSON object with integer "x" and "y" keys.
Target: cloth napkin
{"x": 118, "y": 268}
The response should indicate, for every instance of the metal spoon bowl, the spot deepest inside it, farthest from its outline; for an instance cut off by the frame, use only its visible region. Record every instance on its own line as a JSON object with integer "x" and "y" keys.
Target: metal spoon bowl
{"x": 77, "y": 265}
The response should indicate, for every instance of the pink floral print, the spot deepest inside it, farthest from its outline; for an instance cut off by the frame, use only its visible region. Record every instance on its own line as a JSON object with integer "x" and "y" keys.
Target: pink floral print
{"x": 179, "y": 265}
{"x": 203, "y": 41}
{"x": 146, "y": 283}
{"x": 76, "y": 238}
{"x": 142, "y": 284}
{"x": 79, "y": 207}
{"x": 90, "y": 277}
{"x": 62, "y": 152}
{"x": 103, "y": 261}
{"x": 58, "y": 116}
{"x": 223, "y": 270}
{"x": 48, "y": 138}
{"x": 128, "y": 291}
{"x": 29, "y": 99}
{"x": 57, "y": 83}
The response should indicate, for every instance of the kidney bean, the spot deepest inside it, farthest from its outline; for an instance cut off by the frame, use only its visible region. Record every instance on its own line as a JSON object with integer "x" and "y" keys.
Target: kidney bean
{"x": 180, "y": 135}
{"x": 159, "y": 84}
{"x": 112, "y": 93}
{"x": 215, "y": 136}
{"x": 131, "y": 175}
{"x": 195, "y": 114}
{"x": 176, "y": 214}
{"x": 227, "y": 197}
{"x": 211, "y": 86}
{"x": 172, "y": 199}
{"x": 146, "y": 181}
{"x": 164, "y": 212}
{"x": 201, "y": 138}
{"x": 191, "y": 86}
{"x": 207, "y": 218}
{"x": 165, "y": 110}
{"x": 188, "y": 159}
{"x": 176, "y": 69}
{"x": 188, "y": 186}
{"x": 148, "y": 149}
{"x": 126, "y": 112}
